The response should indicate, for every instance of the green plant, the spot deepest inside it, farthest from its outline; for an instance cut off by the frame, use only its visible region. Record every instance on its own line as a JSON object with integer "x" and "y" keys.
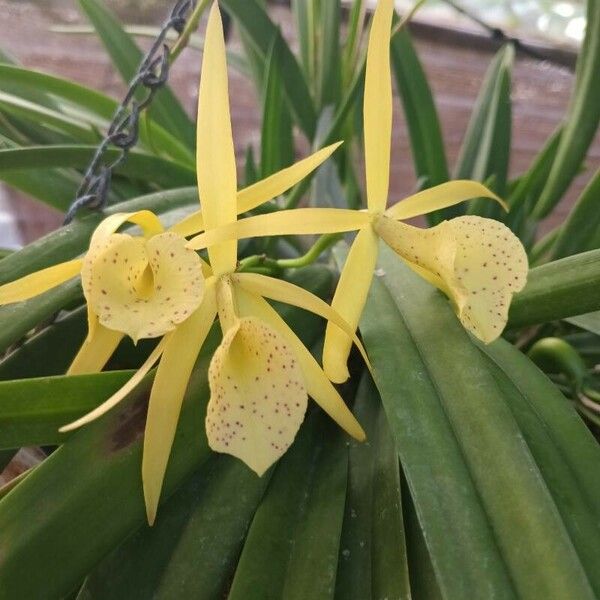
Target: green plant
{"x": 497, "y": 490}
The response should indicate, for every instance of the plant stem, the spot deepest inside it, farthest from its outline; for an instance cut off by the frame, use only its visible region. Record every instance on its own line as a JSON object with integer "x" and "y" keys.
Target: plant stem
{"x": 191, "y": 25}
{"x": 262, "y": 262}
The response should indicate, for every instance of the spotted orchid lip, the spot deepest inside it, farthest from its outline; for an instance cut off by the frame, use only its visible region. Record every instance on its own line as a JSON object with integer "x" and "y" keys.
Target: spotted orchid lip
{"x": 142, "y": 287}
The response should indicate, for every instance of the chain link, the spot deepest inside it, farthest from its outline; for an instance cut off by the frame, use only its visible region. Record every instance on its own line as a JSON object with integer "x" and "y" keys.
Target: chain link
{"x": 152, "y": 74}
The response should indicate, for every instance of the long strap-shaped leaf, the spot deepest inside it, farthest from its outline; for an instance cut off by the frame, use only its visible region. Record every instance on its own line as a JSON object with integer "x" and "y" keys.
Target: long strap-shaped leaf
{"x": 490, "y": 520}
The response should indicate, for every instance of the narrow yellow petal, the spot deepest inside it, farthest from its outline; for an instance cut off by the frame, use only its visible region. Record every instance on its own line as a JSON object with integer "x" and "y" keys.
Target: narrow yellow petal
{"x": 349, "y": 300}
{"x": 285, "y": 222}
{"x": 284, "y": 291}
{"x": 274, "y": 185}
{"x": 39, "y": 282}
{"x": 168, "y": 390}
{"x": 480, "y": 262}
{"x": 143, "y": 288}
{"x": 319, "y": 388}
{"x": 190, "y": 225}
{"x": 120, "y": 394}
{"x": 377, "y": 107}
{"x": 438, "y": 197}
{"x": 262, "y": 191}
{"x": 258, "y": 396}
{"x": 215, "y": 156}
{"x": 95, "y": 351}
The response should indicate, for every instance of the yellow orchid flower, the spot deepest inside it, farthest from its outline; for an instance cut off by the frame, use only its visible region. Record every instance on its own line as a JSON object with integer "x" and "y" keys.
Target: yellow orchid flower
{"x": 478, "y": 263}
{"x": 261, "y": 374}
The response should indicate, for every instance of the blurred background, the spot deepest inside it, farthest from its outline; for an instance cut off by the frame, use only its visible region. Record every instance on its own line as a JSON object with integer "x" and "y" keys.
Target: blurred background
{"x": 454, "y": 47}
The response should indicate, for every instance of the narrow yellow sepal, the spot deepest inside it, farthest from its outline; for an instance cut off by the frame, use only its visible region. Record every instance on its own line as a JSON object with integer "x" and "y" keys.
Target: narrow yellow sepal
{"x": 377, "y": 107}
{"x": 285, "y": 222}
{"x": 215, "y": 156}
{"x": 95, "y": 351}
{"x": 168, "y": 390}
{"x": 121, "y": 393}
{"x": 441, "y": 196}
{"x": 39, "y": 282}
{"x": 348, "y": 301}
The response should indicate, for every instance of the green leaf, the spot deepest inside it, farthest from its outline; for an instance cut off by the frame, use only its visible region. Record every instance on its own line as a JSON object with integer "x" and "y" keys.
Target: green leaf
{"x": 373, "y": 561}
{"x": 589, "y": 321}
{"x": 36, "y": 357}
{"x": 32, "y": 410}
{"x": 57, "y": 121}
{"x": 126, "y": 56}
{"x": 94, "y": 104}
{"x": 581, "y": 121}
{"x": 329, "y": 59}
{"x": 557, "y": 290}
{"x": 204, "y": 523}
{"x": 277, "y": 144}
{"x": 139, "y": 165}
{"x": 485, "y": 150}
{"x": 580, "y": 232}
{"x": 296, "y": 530}
{"x": 564, "y": 449}
{"x": 306, "y": 22}
{"x": 424, "y": 130}
{"x": 522, "y": 199}
{"x": 489, "y": 518}
{"x": 255, "y": 22}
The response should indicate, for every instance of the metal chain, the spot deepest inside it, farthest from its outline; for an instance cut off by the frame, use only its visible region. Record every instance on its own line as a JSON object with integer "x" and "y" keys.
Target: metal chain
{"x": 152, "y": 74}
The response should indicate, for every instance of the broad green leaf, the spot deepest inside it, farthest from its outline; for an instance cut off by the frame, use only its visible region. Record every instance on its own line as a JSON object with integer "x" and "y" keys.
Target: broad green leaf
{"x": 126, "y": 56}
{"x": 204, "y": 523}
{"x": 372, "y": 561}
{"x": 20, "y": 318}
{"x": 356, "y": 23}
{"x": 557, "y": 290}
{"x": 38, "y": 114}
{"x": 589, "y": 321}
{"x": 255, "y": 22}
{"x": 93, "y": 103}
{"x": 581, "y": 121}
{"x": 580, "y": 232}
{"x": 36, "y": 356}
{"x": 32, "y": 410}
{"x": 427, "y": 144}
{"x": 472, "y": 475}
{"x": 564, "y": 449}
{"x": 292, "y": 546}
{"x": 276, "y": 140}
{"x": 139, "y": 165}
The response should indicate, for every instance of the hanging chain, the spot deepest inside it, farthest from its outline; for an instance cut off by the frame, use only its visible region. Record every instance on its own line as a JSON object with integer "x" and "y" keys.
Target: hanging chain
{"x": 152, "y": 74}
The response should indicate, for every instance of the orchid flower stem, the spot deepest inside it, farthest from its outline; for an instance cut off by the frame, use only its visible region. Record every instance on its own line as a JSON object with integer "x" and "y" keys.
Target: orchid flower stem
{"x": 322, "y": 244}
{"x": 190, "y": 27}
{"x": 262, "y": 263}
